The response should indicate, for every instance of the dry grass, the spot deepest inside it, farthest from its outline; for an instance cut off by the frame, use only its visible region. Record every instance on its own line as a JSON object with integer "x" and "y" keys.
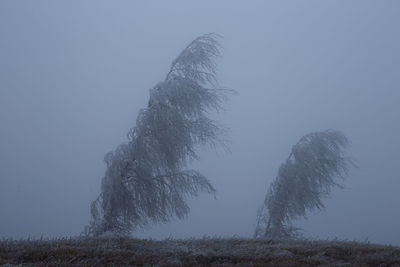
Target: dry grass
{"x": 121, "y": 251}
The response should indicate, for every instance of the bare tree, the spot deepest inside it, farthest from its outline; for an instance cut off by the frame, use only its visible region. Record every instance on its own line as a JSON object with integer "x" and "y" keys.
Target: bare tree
{"x": 308, "y": 175}
{"x": 146, "y": 180}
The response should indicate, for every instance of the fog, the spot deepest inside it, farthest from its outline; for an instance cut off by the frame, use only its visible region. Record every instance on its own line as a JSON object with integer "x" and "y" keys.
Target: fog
{"x": 74, "y": 74}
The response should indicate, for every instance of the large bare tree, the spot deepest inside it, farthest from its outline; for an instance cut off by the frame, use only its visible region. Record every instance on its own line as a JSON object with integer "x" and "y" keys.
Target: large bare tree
{"x": 146, "y": 180}
{"x": 306, "y": 177}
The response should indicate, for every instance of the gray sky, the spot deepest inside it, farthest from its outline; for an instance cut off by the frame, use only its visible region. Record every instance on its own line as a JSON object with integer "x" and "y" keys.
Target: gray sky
{"x": 74, "y": 74}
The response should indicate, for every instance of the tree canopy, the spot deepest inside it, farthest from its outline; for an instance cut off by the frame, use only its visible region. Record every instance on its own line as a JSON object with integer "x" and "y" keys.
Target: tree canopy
{"x": 303, "y": 180}
{"x": 146, "y": 180}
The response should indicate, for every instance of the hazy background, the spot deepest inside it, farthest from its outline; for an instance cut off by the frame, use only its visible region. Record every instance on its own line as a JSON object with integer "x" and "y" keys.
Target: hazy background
{"x": 74, "y": 74}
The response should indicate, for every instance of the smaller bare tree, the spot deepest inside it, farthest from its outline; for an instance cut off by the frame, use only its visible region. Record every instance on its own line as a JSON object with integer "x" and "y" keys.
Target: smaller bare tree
{"x": 308, "y": 175}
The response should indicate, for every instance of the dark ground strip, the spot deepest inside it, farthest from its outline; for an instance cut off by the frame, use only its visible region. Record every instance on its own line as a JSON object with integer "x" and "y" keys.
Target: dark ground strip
{"x": 194, "y": 252}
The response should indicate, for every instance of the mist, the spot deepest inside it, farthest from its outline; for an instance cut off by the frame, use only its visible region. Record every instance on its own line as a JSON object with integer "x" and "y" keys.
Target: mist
{"x": 73, "y": 76}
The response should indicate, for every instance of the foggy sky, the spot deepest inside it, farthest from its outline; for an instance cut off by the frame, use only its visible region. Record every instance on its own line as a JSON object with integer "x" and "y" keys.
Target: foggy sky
{"x": 74, "y": 74}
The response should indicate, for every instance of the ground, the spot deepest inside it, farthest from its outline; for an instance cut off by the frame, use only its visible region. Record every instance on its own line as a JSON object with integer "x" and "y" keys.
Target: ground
{"x": 194, "y": 252}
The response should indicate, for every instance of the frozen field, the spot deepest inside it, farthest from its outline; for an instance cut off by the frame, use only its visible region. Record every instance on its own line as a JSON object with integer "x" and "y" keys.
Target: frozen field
{"x": 207, "y": 251}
